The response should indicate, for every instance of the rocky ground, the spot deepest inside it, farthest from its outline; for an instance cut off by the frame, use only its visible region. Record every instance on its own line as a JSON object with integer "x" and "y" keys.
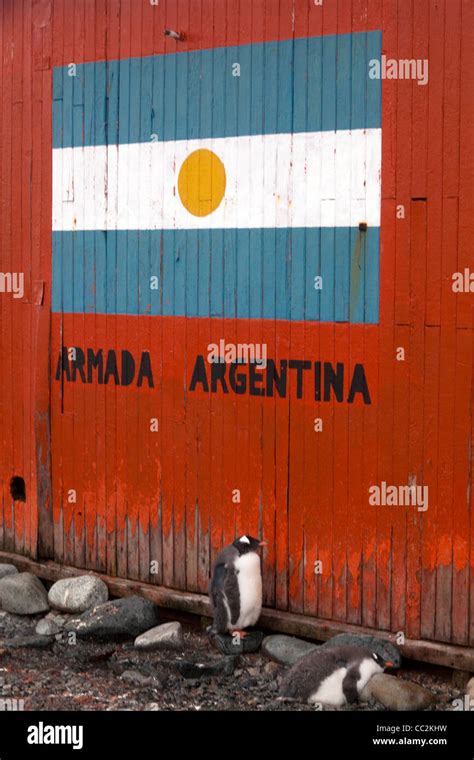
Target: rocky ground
{"x": 116, "y": 676}
{"x": 69, "y": 647}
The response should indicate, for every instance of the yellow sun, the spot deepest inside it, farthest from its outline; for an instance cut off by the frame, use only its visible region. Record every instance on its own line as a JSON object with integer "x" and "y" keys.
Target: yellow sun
{"x": 201, "y": 182}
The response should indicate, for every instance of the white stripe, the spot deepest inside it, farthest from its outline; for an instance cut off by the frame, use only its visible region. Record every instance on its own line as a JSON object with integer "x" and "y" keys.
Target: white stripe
{"x": 321, "y": 179}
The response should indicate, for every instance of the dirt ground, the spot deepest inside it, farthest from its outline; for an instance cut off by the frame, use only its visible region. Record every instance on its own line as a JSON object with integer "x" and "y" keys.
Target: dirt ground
{"x": 115, "y": 676}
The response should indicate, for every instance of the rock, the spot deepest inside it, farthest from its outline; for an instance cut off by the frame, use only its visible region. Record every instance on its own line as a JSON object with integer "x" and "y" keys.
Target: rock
{"x": 232, "y": 645}
{"x": 286, "y": 649}
{"x": 33, "y": 641}
{"x": 82, "y": 652}
{"x": 134, "y": 676}
{"x": 78, "y": 594}
{"x": 23, "y": 594}
{"x": 165, "y": 636}
{"x": 6, "y": 569}
{"x": 52, "y": 624}
{"x": 47, "y": 628}
{"x": 470, "y": 688}
{"x": 460, "y": 679}
{"x": 272, "y": 669}
{"x": 124, "y": 664}
{"x": 375, "y": 644}
{"x": 397, "y": 694}
{"x": 116, "y": 620}
{"x": 223, "y": 667}
{"x": 253, "y": 672}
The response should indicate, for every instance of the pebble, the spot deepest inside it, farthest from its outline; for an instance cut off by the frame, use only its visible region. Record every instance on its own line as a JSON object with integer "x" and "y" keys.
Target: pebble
{"x": 134, "y": 676}
{"x": 224, "y": 666}
{"x": 165, "y": 636}
{"x": 470, "y": 688}
{"x": 272, "y": 669}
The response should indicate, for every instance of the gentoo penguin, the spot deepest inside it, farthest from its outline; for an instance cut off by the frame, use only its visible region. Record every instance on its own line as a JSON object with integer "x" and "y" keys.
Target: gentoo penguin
{"x": 235, "y": 589}
{"x": 332, "y": 676}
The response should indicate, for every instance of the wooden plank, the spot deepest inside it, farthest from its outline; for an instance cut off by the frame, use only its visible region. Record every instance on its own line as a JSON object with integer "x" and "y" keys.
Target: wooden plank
{"x": 21, "y": 353}
{"x": 446, "y": 412}
{"x": 466, "y": 162}
{"x": 395, "y": 516}
{"x": 430, "y": 478}
{"x": 325, "y": 489}
{"x": 451, "y": 98}
{"x": 42, "y": 532}
{"x": 420, "y": 101}
{"x": 415, "y": 517}
{"x": 470, "y": 495}
{"x": 458, "y": 657}
{"x": 82, "y": 472}
{"x": 346, "y": 488}
{"x": 8, "y": 262}
{"x": 435, "y": 166}
{"x": 461, "y": 495}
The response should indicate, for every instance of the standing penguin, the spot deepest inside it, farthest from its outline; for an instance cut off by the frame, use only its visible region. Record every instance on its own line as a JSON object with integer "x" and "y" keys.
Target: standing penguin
{"x": 333, "y": 676}
{"x": 235, "y": 589}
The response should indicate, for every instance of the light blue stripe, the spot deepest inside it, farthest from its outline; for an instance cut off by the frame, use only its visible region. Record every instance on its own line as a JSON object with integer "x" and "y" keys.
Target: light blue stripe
{"x": 243, "y": 274}
{"x": 311, "y": 84}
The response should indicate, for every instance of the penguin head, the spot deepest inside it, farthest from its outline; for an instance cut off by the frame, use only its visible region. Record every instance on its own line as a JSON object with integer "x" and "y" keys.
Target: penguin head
{"x": 246, "y": 544}
{"x": 381, "y": 661}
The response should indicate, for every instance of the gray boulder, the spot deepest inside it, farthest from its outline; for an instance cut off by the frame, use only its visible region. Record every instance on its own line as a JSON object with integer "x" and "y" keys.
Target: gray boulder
{"x": 397, "y": 694}
{"x": 165, "y": 636}
{"x": 286, "y": 649}
{"x": 23, "y": 594}
{"x": 116, "y": 620}
{"x": 387, "y": 650}
{"x": 78, "y": 594}
{"x": 6, "y": 569}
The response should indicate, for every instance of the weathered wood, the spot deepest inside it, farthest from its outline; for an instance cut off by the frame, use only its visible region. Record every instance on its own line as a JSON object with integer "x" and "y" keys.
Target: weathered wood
{"x": 436, "y": 653}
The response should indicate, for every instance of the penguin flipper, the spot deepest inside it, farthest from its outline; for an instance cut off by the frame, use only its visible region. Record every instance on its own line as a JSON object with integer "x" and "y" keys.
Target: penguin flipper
{"x": 216, "y": 593}
{"x": 349, "y": 686}
{"x": 225, "y": 597}
{"x": 232, "y": 593}
{"x": 217, "y": 584}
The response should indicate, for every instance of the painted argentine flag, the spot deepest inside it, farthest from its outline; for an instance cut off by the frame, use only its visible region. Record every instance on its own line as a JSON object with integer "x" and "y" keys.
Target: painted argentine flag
{"x": 221, "y": 183}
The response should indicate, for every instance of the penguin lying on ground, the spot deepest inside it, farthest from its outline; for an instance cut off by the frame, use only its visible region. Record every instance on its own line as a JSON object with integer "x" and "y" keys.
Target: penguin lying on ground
{"x": 235, "y": 589}
{"x": 332, "y": 675}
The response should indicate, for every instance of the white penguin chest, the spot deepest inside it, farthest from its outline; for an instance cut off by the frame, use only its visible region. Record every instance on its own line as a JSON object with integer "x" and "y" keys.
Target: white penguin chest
{"x": 249, "y": 578}
{"x": 329, "y": 691}
{"x": 367, "y": 669}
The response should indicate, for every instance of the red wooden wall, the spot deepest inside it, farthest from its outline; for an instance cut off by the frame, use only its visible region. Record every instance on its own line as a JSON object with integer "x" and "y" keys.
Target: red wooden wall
{"x": 167, "y": 495}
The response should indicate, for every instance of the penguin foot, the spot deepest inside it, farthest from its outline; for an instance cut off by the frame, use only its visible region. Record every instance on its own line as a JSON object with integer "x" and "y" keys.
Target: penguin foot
{"x": 241, "y": 634}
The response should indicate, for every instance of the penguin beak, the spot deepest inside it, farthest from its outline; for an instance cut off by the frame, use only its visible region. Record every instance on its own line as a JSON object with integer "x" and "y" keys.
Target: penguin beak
{"x": 263, "y": 543}
{"x": 389, "y": 664}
